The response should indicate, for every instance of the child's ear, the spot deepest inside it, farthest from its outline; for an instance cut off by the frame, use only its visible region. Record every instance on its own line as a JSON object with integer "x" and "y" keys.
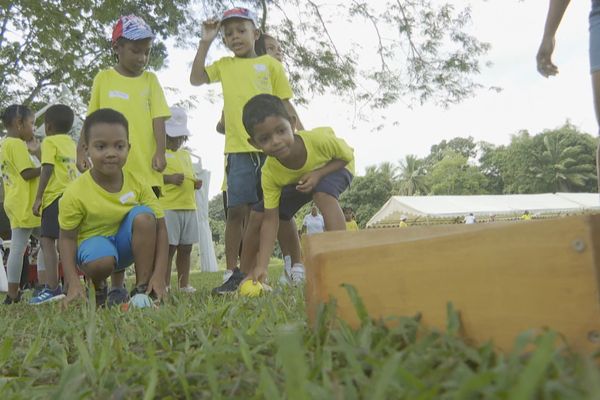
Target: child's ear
{"x": 253, "y": 143}
{"x": 256, "y": 34}
{"x": 294, "y": 123}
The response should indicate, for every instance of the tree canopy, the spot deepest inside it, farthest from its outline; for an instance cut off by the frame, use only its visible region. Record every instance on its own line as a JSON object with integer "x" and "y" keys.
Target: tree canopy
{"x": 423, "y": 49}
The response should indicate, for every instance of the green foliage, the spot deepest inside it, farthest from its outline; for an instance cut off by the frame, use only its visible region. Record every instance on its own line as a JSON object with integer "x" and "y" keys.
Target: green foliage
{"x": 198, "y": 346}
{"x": 424, "y": 50}
{"x": 454, "y": 175}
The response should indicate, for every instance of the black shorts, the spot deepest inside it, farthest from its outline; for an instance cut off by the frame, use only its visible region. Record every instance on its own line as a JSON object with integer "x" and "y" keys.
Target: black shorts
{"x": 50, "y": 227}
{"x": 292, "y": 200}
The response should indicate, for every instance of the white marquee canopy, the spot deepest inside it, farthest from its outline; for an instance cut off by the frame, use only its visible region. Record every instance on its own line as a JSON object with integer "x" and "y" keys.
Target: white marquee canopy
{"x": 430, "y": 207}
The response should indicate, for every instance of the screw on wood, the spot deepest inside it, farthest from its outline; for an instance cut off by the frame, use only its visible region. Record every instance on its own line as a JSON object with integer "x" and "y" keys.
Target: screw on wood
{"x": 578, "y": 245}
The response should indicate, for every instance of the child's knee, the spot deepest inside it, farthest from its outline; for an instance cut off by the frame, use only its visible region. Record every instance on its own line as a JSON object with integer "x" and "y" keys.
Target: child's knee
{"x": 144, "y": 221}
{"x": 99, "y": 268}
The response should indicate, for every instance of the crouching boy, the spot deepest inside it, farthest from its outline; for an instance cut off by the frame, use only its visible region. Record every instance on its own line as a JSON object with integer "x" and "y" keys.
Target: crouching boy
{"x": 108, "y": 219}
{"x": 300, "y": 167}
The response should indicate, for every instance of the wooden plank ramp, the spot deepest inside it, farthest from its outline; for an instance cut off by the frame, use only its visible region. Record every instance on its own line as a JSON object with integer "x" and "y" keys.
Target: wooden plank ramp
{"x": 503, "y": 278}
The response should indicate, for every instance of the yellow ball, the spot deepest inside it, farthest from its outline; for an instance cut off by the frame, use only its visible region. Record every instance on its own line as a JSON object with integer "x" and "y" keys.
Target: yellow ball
{"x": 251, "y": 289}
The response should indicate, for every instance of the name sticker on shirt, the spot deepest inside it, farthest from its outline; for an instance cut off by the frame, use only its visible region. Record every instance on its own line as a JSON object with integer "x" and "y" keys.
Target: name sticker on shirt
{"x": 116, "y": 93}
{"x": 168, "y": 155}
{"x": 260, "y": 67}
{"x": 126, "y": 197}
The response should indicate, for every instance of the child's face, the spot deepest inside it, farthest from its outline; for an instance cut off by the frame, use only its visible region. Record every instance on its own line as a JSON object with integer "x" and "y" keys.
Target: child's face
{"x": 273, "y": 48}
{"x": 348, "y": 215}
{"x": 25, "y": 127}
{"x": 274, "y": 136}
{"x": 174, "y": 143}
{"x": 107, "y": 147}
{"x": 239, "y": 36}
{"x": 133, "y": 55}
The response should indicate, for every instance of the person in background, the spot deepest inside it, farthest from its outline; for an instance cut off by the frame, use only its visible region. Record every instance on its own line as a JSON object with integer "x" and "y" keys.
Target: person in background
{"x": 351, "y": 224}
{"x": 313, "y": 222}
{"x": 470, "y": 219}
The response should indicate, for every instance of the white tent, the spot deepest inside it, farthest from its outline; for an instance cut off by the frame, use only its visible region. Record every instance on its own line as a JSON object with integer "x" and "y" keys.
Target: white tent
{"x": 425, "y": 208}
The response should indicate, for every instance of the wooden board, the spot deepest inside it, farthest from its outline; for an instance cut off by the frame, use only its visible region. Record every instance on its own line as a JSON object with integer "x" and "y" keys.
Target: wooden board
{"x": 504, "y": 278}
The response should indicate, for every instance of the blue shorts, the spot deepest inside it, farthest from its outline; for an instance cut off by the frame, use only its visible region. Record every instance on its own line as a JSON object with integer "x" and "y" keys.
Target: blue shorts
{"x": 243, "y": 178}
{"x": 292, "y": 200}
{"x": 117, "y": 246}
{"x": 595, "y": 37}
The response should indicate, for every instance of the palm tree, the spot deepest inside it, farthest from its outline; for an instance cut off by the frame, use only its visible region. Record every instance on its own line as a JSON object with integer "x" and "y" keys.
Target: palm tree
{"x": 412, "y": 176}
{"x": 561, "y": 165}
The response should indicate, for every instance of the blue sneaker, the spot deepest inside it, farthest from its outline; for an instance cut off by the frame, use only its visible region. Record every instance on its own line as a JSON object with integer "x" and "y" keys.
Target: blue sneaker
{"x": 48, "y": 295}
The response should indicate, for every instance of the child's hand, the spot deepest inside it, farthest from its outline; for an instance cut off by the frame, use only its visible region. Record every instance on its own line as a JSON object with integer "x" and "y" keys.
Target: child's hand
{"x": 198, "y": 184}
{"x": 158, "y": 286}
{"x": 37, "y": 205}
{"x": 210, "y": 29}
{"x": 308, "y": 182}
{"x": 75, "y": 292}
{"x": 257, "y": 275}
{"x": 159, "y": 162}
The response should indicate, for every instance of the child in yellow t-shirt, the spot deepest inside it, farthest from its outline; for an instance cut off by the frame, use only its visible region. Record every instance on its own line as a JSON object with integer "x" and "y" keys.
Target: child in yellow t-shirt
{"x": 351, "y": 224}
{"x": 178, "y": 199}
{"x": 20, "y": 172}
{"x": 58, "y": 170}
{"x": 310, "y": 165}
{"x": 241, "y": 77}
{"x": 137, "y": 94}
{"x": 109, "y": 219}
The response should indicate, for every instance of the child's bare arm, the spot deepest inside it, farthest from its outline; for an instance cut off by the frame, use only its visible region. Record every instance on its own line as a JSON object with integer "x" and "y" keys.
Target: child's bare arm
{"x": 268, "y": 234}
{"x": 30, "y": 173}
{"x": 160, "y": 136}
{"x": 67, "y": 244}
{"x": 157, "y": 282}
{"x": 45, "y": 175}
{"x": 308, "y": 182}
{"x": 210, "y": 29}
{"x": 556, "y": 10}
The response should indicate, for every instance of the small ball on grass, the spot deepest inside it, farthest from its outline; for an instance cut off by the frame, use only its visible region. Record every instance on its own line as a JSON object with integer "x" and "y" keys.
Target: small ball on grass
{"x": 251, "y": 289}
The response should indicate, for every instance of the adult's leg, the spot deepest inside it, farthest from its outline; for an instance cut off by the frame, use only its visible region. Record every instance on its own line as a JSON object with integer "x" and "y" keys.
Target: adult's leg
{"x": 183, "y": 262}
{"x": 331, "y": 211}
{"x": 596, "y": 93}
{"x": 18, "y": 244}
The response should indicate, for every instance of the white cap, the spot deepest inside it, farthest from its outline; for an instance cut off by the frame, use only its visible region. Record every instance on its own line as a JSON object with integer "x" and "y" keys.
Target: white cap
{"x": 176, "y": 126}
{"x": 403, "y": 217}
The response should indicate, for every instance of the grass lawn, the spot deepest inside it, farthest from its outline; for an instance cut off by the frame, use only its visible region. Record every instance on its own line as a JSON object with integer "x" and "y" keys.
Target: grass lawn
{"x": 198, "y": 346}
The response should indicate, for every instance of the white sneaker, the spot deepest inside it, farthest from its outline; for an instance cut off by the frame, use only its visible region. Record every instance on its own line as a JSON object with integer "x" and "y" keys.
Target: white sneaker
{"x": 227, "y": 274}
{"x": 297, "y": 274}
{"x": 284, "y": 279}
{"x": 188, "y": 289}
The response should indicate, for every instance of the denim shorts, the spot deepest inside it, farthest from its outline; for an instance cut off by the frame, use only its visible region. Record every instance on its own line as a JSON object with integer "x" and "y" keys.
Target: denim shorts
{"x": 595, "y": 36}
{"x": 117, "y": 246}
{"x": 292, "y": 200}
{"x": 243, "y": 178}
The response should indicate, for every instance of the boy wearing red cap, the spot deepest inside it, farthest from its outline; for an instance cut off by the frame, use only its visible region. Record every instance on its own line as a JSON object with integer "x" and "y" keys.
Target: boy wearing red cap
{"x": 242, "y": 77}
{"x": 136, "y": 93}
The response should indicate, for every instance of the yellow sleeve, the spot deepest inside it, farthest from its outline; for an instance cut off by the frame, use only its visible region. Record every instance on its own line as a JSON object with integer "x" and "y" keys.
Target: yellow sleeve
{"x": 271, "y": 191}
{"x": 48, "y": 151}
{"x": 213, "y": 71}
{"x": 70, "y": 213}
{"x": 94, "y": 103}
{"x": 148, "y": 198}
{"x": 279, "y": 80}
{"x": 335, "y": 147}
{"x": 158, "y": 102}
{"x": 20, "y": 156}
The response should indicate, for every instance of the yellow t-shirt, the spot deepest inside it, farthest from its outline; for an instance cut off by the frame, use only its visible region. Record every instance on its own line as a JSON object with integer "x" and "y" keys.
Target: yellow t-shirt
{"x": 351, "y": 225}
{"x": 321, "y": 145}
{"x": 86, "y": 206}
{"x": 59, "y": 151}
{"x": 179, "y": 197}
{"x": 140, "y": 99}
{"x": 19, "y": 194}
{"x": 242, "y": 79}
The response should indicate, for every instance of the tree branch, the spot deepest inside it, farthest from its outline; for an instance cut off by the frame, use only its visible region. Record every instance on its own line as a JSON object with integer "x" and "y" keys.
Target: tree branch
{"x": 263, "y": 23}
{"x": 5, "y": 23}
{"x": 318, "y": 12}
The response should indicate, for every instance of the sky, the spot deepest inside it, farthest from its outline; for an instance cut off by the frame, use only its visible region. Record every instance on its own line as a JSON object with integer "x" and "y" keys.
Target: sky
{"x": 527, "y": 100}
